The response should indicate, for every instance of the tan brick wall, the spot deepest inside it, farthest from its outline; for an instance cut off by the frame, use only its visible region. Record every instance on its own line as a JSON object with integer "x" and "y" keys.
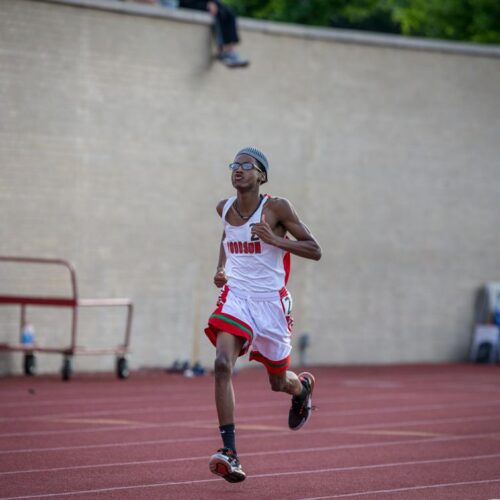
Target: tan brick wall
{"x": 115, "y": 132}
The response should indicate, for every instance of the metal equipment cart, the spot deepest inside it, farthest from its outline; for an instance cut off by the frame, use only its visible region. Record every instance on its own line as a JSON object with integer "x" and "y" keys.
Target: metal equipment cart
{"x": 73, "y": 302}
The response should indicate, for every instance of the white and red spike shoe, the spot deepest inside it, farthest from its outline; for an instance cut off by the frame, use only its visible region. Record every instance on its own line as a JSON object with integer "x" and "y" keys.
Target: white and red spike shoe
{"x": 226, "y": 464}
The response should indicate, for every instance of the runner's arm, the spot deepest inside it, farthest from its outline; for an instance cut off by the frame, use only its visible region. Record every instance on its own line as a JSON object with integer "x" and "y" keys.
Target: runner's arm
{"x": 304, "y": 245}
{"x": 220, "y": 277}
{"x": 222, "y": 254}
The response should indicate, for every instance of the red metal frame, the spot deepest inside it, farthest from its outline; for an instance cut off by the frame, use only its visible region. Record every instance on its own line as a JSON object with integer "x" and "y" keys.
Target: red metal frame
{"x": 72, "y": 302}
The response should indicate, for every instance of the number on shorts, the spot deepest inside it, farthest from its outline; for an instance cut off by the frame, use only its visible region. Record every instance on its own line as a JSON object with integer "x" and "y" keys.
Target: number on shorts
{"x": 287, "y": 304}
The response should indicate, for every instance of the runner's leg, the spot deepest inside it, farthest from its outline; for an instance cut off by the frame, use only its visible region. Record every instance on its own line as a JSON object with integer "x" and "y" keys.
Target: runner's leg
{"x": 225, "y": 462}
{"x": 301, "y": 387}
{"x": 228, "y": 349}
{"x": 286, "y": 381}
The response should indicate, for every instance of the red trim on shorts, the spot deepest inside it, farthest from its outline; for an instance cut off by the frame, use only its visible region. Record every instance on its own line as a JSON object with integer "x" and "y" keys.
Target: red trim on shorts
{"x": 272, "y": 367}
{"x": 223, "y": 295}
{"x": 220, "y": 321}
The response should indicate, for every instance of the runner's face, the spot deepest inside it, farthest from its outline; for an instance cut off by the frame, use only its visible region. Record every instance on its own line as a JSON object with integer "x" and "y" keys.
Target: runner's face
{"x": 245, "y": 178}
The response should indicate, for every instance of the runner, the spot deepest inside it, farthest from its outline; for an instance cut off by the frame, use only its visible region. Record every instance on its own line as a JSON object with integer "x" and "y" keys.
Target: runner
{"x": 254, "y": 308}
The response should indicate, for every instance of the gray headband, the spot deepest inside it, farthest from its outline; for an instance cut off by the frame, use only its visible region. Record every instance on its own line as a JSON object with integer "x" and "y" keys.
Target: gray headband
{"x": 258, "y": 155}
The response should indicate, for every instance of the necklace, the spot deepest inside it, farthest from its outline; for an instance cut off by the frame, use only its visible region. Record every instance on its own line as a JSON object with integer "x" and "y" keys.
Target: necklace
{"x": 246, "y": 217}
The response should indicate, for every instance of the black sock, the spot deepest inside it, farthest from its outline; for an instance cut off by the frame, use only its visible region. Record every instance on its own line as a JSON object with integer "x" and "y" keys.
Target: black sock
{"x": 304, "y": 393}
{"x": 228, "y": 437}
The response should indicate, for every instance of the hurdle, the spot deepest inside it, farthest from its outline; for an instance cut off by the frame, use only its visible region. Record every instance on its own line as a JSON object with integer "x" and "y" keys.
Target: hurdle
{"x": 73, "y": 302}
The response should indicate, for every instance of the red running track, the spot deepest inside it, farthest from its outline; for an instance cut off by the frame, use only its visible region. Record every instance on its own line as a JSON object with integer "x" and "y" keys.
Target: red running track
{"x": 399, "y": 432}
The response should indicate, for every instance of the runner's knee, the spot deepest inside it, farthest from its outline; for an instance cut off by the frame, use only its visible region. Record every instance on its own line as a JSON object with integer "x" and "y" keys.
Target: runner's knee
{"x": 223, "y": 365}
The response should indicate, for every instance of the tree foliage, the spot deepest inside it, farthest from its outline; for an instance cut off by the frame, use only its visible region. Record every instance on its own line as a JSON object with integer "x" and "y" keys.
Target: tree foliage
{"x": 467, "y": 20}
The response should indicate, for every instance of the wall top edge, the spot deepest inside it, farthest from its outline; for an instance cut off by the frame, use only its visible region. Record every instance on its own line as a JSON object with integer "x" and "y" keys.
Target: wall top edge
{"x": 293, "y": 30}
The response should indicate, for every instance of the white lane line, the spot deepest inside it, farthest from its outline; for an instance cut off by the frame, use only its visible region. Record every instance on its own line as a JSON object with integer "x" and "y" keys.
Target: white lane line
{"x": 210, "y": 406}
{"x": 341, "y": 429}
{"x": 269, "y": 474}
{"x": 410, "y": 488}
{"x": 259, "y": 418}
{"x": 169, "y": 399}
{"x": 118, "y": 445}
{"x": 36, "y": 402}
{"x": 262, "y": 453}
{"x": 469, "y": 377}
{"x": 161, "y": 394}
{"x": 469, "y": 380}
{"x": 471, "y": 386}
{"x": 128, "y": 411}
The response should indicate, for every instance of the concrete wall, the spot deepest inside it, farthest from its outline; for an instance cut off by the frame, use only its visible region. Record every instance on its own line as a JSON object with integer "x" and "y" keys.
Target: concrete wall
{"x": 115, "y": 131}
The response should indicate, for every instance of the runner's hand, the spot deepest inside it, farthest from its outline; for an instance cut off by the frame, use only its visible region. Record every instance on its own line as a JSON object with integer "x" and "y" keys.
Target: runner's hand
{"x": 264, "y": 232}
{"x": 220, "y": 278}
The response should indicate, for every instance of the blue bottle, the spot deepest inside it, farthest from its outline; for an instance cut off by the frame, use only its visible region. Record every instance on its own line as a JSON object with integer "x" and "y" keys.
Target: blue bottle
{"x": 28, "y": 335}
{"x": 496, "y": 315}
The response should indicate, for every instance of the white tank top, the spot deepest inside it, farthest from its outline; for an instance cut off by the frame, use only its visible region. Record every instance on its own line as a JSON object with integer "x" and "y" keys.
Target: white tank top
{"x": 252, "y": 265}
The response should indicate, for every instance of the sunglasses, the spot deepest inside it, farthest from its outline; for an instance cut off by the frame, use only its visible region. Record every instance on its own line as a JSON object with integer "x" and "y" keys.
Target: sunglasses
{"x": 245, "y": 166}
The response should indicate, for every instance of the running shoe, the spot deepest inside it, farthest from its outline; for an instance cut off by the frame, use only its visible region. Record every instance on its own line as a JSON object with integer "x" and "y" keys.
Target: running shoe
{"x": 300, "y": 410}
{"x": 233, "y": 60}
{"x": 225, "y": 464}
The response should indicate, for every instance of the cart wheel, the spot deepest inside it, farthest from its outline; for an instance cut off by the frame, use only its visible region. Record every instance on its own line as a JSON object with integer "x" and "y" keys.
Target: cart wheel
{"x": 29, "y": 364}
{"x": 122, "y": 370}
{"x": 67, "y": 370}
